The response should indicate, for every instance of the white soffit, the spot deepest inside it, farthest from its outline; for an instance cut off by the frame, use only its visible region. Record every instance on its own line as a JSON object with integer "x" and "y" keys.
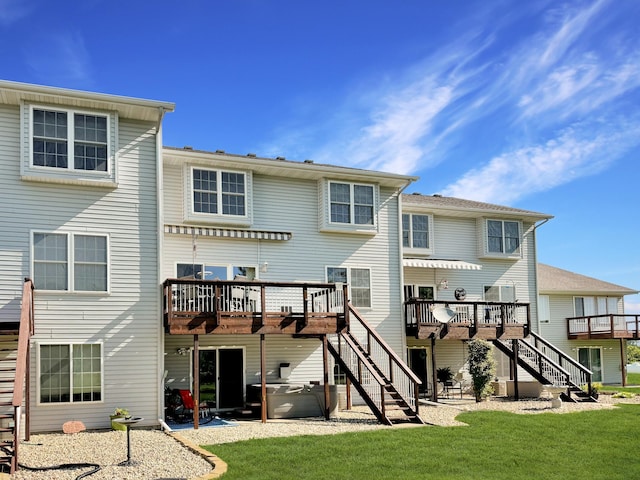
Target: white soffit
{"x": 443, "y": 264}
{"x": 227, "y": 232}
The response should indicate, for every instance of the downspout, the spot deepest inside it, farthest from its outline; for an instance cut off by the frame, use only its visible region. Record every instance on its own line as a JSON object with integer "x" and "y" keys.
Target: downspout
{"x": 159, "y": 256}
{"x": 403, "y": 329}
{"x": 535, "y": 269}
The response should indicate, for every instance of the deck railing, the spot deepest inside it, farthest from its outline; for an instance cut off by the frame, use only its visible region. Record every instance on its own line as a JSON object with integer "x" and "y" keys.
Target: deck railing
{"x": 185, "y": 298}
{"x": 579, "y": 375}
{"x": 20, "y": 384}
{"x": 603, "y": 326}
{"x": 473, "y": 314}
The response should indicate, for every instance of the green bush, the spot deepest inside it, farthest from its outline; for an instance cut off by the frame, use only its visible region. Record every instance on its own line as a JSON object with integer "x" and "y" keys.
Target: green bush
{"x": 482, "y": 367}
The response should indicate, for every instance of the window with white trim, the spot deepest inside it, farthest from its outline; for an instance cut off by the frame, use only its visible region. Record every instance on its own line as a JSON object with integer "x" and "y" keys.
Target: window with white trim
{"x": 351, "y": 203}
{"x": 65, "y": 139}
{"x": 69, "y": 373}
{"x": 218, "y": 192}
{"x": 70, "y": 262}
{"x": 503, "y": 237}
{"x": 359, "y": 280}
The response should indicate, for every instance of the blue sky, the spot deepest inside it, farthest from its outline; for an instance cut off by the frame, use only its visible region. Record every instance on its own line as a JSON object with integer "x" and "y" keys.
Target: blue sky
{"x": 528, "y": 104}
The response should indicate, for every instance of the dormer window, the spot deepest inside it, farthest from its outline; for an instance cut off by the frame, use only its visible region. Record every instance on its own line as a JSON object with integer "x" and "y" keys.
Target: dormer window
{"x": 500, "y": 238}
{"x": 69, "y": 146}
{"x": 503, "y": 237}
{"x": 417, "y": 235}
{"x": 217, "y": 196}
{"x": 351, "y": 203}
{"x": 75, "y": 141}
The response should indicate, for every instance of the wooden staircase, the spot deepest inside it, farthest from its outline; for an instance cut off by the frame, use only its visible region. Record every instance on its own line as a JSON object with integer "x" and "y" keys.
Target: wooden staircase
{"x": 383, "y": 380}
{"x": 14, "y": 354}
{"x": 550, "y": 366}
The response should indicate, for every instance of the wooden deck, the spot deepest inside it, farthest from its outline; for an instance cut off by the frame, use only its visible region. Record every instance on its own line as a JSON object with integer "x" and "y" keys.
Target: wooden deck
{"x": 194, "y": 307}
{"x": 467, "y": 320}
{"x": 603, "y": 327}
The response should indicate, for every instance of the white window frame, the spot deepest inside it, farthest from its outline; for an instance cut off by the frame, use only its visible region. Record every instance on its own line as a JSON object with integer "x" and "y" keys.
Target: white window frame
{"x": 516, "y": 254}
{"x": 328, "y": 225}
{"x": 590, "y": 367}
{"x": 71, "y": 260}
{"x": 349, "y": 282}
{"x": 190, "y": 212}
{"x": 410, "y": 249}
{"x": 71, "y": 372}
{"x": 68, "y": 174}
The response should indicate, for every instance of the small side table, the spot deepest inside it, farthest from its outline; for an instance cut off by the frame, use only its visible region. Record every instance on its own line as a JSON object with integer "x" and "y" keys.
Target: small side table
{"x": 128, "y": 421}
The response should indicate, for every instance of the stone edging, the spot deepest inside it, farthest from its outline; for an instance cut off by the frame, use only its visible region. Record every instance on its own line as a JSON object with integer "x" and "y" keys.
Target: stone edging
{"x": 219, "y": 465}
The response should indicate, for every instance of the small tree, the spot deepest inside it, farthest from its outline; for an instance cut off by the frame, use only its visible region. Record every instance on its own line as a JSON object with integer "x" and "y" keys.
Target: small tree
{"x": 482, "y": 367}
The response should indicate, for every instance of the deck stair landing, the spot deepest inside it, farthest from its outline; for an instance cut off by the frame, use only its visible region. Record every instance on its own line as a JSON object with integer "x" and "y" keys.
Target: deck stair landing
{"x": 382, "y": 379}
{"x": 550, "y": 366}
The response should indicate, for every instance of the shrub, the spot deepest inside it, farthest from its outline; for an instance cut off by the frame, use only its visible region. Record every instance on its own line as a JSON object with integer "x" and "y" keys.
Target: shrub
{"x": 482, "y": 367}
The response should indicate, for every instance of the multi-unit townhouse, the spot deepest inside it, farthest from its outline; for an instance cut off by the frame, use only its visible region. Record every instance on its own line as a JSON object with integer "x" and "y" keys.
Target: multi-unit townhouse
{"x": 159, "y": 268}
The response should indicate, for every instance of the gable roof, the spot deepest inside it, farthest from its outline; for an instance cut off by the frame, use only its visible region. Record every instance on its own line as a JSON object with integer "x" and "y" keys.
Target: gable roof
{"x": 459, "y": 207}
{"x": 555, "y": 280}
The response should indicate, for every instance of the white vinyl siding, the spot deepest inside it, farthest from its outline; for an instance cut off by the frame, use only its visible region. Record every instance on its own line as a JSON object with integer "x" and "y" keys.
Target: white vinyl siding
{"x": 127, "y": 319}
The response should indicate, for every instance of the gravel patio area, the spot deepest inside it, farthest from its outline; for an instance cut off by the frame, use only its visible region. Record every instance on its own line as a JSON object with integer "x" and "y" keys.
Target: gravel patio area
{"x": 156, "y": 455}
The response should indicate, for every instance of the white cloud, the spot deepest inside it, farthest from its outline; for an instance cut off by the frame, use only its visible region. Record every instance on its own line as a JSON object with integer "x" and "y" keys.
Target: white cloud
{"x": 575, "y": 153}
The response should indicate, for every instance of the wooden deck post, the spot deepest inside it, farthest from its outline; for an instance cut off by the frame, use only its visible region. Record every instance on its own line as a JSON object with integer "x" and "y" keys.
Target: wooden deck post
{"x": 263, "y": 378}
{"x": 623, "y": 362}
{"x": 196, "y": 381}
{"x": 325, "y": 366}
{"x": 434, "y": 375}
{"x": 514, "y": 360}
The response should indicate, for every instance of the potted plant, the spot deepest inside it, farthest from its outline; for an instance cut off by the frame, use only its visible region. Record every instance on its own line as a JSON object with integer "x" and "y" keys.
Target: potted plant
{"x": 119, "y": 413}
{"x": 444, "y": 374}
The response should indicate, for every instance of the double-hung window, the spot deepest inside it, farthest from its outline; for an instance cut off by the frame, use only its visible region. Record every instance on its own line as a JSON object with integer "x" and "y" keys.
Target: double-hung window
{"x": 217, "y": 192}
{"x": 503, "y": 237}
{"x": 416, "y": 232}
{"x": 359, "y": 280}
{"x": 64, "y": 139}
{"x": 500, "y": 293}
{"x": 69, "y": 373}
{"x": 70, "y": 262}
{"x": 351, "y": 203}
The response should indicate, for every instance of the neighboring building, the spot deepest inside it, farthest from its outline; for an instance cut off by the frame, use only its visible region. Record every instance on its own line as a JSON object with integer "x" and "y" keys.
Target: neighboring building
{"x": 585, "y": 317}
{"x": 480, "y": 260}
{"x": 79, "y": 194}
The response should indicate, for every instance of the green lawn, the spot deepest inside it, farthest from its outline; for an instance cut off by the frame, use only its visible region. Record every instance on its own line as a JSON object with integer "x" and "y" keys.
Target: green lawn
{"x": 633, "y": 382}
{"x": 600, "y": 444}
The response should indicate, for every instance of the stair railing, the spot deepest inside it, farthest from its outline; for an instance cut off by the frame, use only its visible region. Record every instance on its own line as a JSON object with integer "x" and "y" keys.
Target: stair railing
{"x": 579, "y": 375}
{"x": 363, "y": 374}
{"x": 392, "y": 367}
{"x": 544, "y": 365}
{"x": 22, "y": 368}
